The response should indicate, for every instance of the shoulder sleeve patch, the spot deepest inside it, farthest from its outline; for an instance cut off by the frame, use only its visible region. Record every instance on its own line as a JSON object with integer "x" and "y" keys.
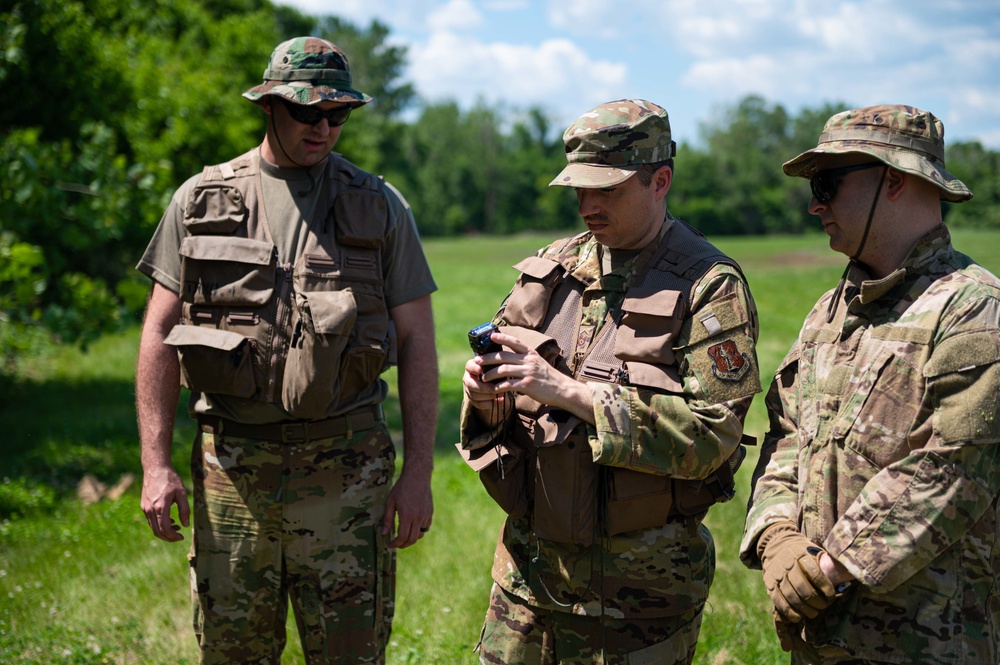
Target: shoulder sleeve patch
{"x": 963, "y": 352}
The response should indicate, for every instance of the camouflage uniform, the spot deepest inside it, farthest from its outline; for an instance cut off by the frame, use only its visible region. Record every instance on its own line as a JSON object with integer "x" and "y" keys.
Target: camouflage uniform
{"x": 884, "y": 442}
{"x": 289, "y": 498}
{"x": 645, "y": 587}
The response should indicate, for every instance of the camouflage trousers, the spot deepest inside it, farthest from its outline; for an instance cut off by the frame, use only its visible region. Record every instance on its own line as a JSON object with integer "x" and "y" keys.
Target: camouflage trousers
{"x": 516, "y": 633}
{"x": 277, "y": 522}
{"x": 805, "y": 654}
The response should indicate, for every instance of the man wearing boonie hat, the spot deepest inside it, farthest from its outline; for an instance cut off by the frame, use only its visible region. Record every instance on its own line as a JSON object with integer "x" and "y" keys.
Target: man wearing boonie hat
{"x": 284, "y": 282}
{"x": 874, "y": 513}
{"x": 612, "y": 418}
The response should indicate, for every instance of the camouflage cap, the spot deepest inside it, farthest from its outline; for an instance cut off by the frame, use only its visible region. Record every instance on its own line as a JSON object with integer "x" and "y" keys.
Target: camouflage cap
{"x": 606, "y": 145}
{"x": 308, "y": 70}
{"x": 903, "y": 137}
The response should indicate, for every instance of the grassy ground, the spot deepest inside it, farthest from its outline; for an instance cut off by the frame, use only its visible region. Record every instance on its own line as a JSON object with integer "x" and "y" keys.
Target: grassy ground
{"x": 89, "y": 584}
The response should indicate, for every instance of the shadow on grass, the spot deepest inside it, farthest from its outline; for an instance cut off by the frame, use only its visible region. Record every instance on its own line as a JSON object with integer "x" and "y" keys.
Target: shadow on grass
{"x": 56, "y": 431}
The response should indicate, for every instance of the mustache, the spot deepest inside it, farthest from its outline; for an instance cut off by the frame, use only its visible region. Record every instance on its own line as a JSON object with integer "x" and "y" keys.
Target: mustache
{"x": 597, "y": 217}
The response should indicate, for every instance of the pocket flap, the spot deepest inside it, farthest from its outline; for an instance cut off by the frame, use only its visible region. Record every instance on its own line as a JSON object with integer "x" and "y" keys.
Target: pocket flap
{"x": 332, "y": 312}
{"x": 214, "y": 209}
{"x": 479, "y": 458}
{"x": 227, "y": 248}
{"x": 657, "y": 377}
{"x": 537, "y": 267}
{"x": 184, "y": 335}
{"x": 361, "y": 217}
{"x": 653, "y": 302}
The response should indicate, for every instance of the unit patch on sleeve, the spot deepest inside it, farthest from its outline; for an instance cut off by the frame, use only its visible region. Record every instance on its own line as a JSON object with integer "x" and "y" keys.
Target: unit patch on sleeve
{"x": 730, "y": 364}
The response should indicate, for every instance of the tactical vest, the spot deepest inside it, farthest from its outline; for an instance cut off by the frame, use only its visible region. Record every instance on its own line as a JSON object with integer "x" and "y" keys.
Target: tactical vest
{"x": 310, "y": 337}
{"x": 570, "y": 498}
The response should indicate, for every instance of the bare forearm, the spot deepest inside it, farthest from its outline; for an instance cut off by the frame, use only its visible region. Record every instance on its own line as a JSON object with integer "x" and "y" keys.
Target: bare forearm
{"x": 157, "y": 380}
{"x": 418, "y": 399}
{"x": 418, "y": 383}
{"x": 157, "y": 390}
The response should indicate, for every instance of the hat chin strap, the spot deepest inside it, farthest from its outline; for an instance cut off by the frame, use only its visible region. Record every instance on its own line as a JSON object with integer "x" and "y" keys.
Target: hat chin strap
{"x": 854, "y": 259}
{"x": 312, "y": 180}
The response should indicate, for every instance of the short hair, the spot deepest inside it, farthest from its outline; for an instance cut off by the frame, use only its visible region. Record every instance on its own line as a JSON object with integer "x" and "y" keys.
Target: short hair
{"x": 645, "y": 171}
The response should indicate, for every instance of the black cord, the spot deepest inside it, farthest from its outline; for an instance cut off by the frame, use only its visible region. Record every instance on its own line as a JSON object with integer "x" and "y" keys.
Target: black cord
{"x": 854, "y": 259}
{"x": 312, "y": 179}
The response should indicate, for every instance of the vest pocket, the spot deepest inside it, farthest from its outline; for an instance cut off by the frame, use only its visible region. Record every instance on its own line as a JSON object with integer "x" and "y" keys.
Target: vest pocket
{"x": 637, "y": 500}
{"x": 650, "y": 321}
{"x": 529, "y": 301}
{"x": 213, "y": 361}
{"x": 226, "y": 271}
{"x": 214, "y": 209}
{"x": 312, "y": 379}
{"x": 566, "y": 492}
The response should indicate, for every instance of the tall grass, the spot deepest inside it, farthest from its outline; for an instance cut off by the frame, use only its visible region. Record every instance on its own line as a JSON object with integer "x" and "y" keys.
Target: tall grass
{"x": 89, "y": 584}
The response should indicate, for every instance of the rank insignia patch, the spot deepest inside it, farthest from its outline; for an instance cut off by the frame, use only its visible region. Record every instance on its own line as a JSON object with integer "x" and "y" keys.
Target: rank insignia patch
{"x": 730, "y": 364}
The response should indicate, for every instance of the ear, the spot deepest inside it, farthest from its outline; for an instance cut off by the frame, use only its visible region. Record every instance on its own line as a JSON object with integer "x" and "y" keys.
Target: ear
{"x": 265, "y": 103}
{"x": 895, "y": 183}
{"x": 661, "y": 181}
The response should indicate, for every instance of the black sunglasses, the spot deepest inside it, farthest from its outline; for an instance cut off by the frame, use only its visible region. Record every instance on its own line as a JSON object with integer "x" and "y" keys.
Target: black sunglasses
{"x": 824, "y": 183}
{"x": 310, "y": 115}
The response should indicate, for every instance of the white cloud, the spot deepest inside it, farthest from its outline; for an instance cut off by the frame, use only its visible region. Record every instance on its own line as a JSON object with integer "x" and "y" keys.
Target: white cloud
{"x": 456, "y": 15}
{"x": 590, "y": 18}
{"x": 449, "y": 66}
{"x": 730, "y": 78}
{"x": 505, "y": 5}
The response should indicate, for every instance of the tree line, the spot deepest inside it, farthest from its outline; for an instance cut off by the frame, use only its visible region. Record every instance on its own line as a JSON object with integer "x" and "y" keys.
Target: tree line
{"x": 110, "y": 104}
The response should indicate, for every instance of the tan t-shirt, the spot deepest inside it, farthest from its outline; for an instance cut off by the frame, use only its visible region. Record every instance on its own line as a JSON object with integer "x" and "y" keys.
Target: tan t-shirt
{"x": 291, "y": 203}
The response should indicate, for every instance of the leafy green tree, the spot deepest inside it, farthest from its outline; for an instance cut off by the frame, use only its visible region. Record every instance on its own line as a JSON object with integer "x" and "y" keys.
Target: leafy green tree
{"x": 151, "y": 93}
{"x": 734, "y": 184}
{"x": 979, "y": 169}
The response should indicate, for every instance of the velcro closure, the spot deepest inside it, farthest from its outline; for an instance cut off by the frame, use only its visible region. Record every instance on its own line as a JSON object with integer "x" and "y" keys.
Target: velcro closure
{"x": 964, "y": 352}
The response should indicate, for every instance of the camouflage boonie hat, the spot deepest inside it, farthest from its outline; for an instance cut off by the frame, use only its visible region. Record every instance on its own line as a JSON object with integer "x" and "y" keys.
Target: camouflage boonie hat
{"x": 308, "y": 70}
{"x": 606, "y": 145}
{"x": 903, "y": 137}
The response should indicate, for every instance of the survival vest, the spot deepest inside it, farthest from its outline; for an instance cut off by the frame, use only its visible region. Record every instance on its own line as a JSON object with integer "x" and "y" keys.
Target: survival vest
{"x": 311, "y": 337}
{"x": 546, "y": 468}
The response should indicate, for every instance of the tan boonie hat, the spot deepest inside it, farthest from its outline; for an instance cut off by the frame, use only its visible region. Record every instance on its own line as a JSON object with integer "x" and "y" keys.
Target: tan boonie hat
{"x": 903, "y": 137}
{"x": 606, "y": 145}
{"x": 308, "y": 70}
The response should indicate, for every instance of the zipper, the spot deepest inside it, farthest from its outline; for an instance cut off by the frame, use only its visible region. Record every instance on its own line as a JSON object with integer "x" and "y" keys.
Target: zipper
{"x": 281, "y": 313}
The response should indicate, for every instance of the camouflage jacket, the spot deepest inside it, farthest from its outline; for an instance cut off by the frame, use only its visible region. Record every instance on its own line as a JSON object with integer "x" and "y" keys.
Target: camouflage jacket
{"x": 666, "y": 570}
{"x": 884, "y": 448}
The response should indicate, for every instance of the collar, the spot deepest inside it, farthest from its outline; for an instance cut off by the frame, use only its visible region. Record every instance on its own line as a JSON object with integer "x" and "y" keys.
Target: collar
{"x": 925, "y": 251}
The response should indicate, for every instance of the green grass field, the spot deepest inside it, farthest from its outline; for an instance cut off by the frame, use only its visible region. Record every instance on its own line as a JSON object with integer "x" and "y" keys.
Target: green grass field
{"x": 89, "y": 584}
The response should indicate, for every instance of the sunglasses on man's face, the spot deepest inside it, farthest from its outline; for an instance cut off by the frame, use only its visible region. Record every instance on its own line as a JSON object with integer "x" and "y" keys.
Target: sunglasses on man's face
{"x": 310, "y": 115}
{"x": 824, "y": 184}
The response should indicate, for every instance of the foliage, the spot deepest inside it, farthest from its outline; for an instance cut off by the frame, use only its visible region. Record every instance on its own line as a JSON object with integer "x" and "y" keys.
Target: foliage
{"x": 979, "y": 169}
{"x": 734, "y": 185}
{"x": 156, "y": 95}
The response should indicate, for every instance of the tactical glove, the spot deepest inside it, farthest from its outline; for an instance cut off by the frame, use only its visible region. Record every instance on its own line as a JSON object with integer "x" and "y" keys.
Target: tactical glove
{"x": 797, "y": 586}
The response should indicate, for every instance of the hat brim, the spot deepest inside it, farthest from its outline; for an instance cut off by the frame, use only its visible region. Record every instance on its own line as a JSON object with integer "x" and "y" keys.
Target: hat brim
{"x": 908, "y": 161}
{"x": 589, "y": 176}
{"x": 304, "y": 92}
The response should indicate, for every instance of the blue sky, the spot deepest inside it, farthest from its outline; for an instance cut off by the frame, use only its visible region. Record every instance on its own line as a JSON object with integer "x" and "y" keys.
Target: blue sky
{"x": 695, "y": 57}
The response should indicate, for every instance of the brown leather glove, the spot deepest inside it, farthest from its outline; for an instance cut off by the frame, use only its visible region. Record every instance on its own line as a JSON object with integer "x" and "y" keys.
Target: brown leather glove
{"x": 797, "y": 586}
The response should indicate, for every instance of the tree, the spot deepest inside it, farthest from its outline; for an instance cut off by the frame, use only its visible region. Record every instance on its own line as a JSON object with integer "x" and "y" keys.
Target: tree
{"x": 979, "y": 169}
{"x": 82, "y": 183}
